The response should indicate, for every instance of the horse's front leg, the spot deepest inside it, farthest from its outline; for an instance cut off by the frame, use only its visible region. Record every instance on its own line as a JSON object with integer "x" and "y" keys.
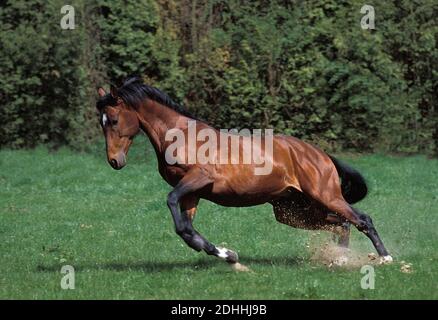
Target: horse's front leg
{"x": 184, "y": 195}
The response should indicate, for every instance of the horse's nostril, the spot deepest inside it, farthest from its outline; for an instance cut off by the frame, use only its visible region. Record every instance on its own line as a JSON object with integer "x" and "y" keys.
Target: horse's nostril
{"x": 113, "y": 163}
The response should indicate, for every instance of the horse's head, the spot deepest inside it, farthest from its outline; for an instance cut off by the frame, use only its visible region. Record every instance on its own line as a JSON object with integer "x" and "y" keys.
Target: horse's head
{"x": 120, "y": 125}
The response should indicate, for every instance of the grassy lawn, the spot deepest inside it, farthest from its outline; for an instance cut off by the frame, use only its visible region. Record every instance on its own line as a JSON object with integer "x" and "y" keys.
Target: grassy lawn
{"x": 115, "y": 229}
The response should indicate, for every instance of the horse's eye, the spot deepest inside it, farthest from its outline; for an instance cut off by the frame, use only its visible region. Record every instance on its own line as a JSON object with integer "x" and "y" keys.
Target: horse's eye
{"x": 114, "y": 122}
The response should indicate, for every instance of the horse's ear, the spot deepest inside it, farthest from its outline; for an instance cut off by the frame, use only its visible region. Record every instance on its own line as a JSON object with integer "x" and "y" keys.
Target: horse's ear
{"x": 101, "y": 92}
{"x": 113, "y": 91}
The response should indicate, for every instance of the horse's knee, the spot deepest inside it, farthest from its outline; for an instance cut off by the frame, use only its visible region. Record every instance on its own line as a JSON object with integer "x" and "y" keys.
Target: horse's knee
{"x": 172, "y": 199}
{"x": 192, "y": 238}
{"x": 180, "y": 231}
{"x": 185, "y": 231}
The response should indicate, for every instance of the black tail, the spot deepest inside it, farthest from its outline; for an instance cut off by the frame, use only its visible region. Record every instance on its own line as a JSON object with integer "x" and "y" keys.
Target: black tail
{"x": 353, "y": 185}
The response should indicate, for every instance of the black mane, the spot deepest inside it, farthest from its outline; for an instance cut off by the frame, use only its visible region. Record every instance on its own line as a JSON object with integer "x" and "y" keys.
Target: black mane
{"x": 133, "y": 92}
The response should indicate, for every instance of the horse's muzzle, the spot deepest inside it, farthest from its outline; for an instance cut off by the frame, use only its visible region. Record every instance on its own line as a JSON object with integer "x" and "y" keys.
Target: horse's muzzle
{"x": 118, "y": 162}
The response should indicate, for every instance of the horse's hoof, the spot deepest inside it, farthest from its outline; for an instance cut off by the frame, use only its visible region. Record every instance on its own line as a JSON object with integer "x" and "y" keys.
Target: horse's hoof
{"x": 232, "y": 257}
{"x": 228, "y": 255}
{"x": 386, "y": 259}
{"x": 239, "y": 267}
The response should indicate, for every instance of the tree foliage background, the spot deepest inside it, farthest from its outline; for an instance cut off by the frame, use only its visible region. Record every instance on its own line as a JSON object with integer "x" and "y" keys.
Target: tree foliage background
{"x": 304, "y": 68}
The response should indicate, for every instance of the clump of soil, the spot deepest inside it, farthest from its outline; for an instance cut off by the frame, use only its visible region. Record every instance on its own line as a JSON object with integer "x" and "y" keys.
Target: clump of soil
{"x": 406, "y": 267}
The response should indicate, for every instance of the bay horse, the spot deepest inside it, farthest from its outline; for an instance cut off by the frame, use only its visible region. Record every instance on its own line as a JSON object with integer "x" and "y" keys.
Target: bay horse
{"x": 307, "y": 188}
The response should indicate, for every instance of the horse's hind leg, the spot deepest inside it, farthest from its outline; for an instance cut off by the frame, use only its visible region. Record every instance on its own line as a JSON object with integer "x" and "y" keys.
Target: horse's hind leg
{"x": 303, "y": 213}
{"x": 361, "y": 221}
{"x": 327, "y": 191}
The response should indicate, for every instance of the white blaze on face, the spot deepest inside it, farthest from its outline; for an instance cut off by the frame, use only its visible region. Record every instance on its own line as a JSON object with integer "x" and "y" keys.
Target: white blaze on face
{"x": 104, "y": 119}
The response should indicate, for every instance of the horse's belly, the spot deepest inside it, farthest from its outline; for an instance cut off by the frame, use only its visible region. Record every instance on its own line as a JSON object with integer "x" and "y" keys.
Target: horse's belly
{"x": 229, "y": 200}
{"x": 242, "y": 190}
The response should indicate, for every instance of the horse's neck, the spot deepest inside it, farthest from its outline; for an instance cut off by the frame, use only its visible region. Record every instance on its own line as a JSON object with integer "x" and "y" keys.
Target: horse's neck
{"x": 155, "y": 120}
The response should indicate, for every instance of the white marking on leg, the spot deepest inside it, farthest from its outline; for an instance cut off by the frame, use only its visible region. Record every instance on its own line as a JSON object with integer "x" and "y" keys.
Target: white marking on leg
{"x": 386, "y": 259}
{"x": 223, "y": 253}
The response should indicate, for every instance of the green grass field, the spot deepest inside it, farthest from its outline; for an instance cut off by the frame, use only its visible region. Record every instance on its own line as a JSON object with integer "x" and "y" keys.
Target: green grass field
{"x": 114, "y": 228}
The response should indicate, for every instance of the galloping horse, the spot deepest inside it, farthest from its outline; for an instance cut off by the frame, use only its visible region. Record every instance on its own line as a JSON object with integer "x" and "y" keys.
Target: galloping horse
{"x": 304, "y": 185}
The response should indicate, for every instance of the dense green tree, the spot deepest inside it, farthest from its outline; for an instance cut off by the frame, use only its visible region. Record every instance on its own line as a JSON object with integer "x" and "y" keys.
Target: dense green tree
{"x": 43, "y": 88}
{"x": 304, "y": 68}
